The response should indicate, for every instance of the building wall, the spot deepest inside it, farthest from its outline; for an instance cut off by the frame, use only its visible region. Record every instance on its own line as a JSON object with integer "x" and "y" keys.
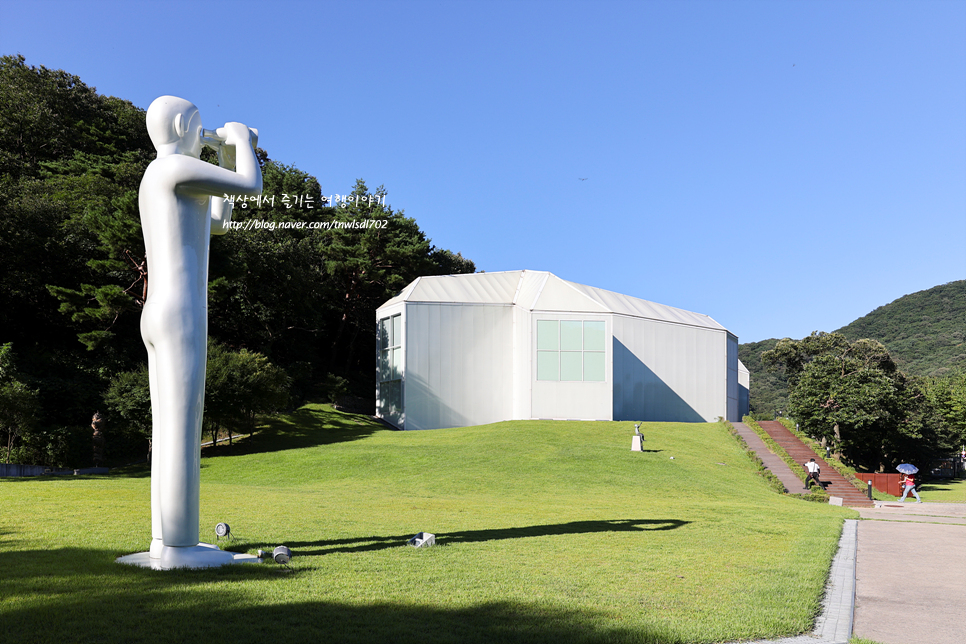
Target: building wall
{"x": 744, "y": 389}
{"x": 468, "y": 364}
{"x": 668, "y": 372}
{"x": 522, "y": 364}
{"x": 459, "y": 361}
{"x": 734, "y": 413}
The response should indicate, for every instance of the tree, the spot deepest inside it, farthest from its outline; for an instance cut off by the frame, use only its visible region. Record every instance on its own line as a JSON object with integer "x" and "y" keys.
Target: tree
{"x": 128, "y": 400}
{"x": 239, "y": 386}
{"x": 18, "y": 403}
{"x": 851, "y": 395}
{"x": 947, "y": 395}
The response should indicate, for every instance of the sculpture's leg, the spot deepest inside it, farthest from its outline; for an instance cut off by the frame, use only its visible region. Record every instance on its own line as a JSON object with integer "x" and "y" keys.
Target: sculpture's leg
{"x": 180, "y": 367}
{"x": 156, "y": 449}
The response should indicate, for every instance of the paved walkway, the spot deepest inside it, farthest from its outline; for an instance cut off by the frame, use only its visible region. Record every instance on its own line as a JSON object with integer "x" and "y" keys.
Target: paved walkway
{"x": 778, "y": 467}
{"x": 899, "y": 576}
{"x": 911, "y": 573}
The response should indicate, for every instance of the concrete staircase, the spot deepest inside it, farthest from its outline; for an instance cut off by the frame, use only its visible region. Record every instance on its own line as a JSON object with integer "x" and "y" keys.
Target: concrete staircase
{"x": 835, "y": 484}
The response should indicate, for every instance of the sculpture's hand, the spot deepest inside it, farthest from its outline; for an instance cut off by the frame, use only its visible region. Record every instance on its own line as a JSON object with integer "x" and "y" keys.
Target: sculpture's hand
{"x": 226, "y": 156}
{"x": 236, "y": 134}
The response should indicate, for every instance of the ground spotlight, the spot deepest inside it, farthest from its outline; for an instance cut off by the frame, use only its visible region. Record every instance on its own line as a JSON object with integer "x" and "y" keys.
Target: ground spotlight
{"x": 222, "y": 530}
{"x": 282, "y": 555}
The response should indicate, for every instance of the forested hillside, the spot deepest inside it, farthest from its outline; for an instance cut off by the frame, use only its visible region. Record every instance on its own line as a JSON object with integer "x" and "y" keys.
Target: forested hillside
{"x": 293, "y": 307}
{"x": 925, "y": 334}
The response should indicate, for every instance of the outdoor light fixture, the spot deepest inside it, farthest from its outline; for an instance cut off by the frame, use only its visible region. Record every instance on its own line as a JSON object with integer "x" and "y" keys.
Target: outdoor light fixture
{"x": 282, "y": 555}
{"x": 222, "y": 530}
{"x": 423, "y": 540}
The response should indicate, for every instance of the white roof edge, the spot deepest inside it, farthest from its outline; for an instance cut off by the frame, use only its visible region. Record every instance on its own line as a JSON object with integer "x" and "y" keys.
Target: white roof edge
{"x": 604, "y": 300}
{"x": 536, "y": 298}
{"x": 600, "y": 305}
{"x": 516, "y": 294}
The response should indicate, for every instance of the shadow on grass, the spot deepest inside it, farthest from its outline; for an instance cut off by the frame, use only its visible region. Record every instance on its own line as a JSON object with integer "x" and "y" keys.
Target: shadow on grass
{"x": 944, "y": 484}
{"x": 364, "y": 544}
{"x": 79, "y": 595}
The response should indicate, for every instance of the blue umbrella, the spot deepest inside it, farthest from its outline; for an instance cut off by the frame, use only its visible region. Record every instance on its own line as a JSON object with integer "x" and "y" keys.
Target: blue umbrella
{"x": 907, "y": 468}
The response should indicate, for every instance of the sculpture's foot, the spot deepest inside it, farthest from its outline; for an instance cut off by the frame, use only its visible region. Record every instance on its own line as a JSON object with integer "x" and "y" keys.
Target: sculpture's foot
{"x": 203, "y": 555}
{"x": 156, "y": 546}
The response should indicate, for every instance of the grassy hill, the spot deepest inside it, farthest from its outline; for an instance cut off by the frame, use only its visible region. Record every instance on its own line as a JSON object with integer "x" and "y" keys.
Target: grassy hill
{"x": 925, "y": 333}
{"x": 546, "y": 531}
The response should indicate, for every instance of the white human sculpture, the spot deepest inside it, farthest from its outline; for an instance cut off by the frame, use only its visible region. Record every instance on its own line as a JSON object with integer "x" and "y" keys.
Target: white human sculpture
{"x": 178, "y": 215}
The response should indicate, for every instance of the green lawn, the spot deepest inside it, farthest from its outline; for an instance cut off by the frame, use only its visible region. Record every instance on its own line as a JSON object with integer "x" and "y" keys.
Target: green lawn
{"x": 943, "y": 491}
{"x": 546, "y": 532}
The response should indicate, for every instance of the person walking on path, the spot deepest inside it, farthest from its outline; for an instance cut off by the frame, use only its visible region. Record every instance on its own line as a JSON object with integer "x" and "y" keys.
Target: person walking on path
{"x": 908, "y": 482}
{"x": 813, "y": 472}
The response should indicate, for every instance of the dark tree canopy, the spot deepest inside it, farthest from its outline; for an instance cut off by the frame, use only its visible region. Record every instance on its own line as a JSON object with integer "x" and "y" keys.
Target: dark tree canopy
{"x": 74, "y": 276}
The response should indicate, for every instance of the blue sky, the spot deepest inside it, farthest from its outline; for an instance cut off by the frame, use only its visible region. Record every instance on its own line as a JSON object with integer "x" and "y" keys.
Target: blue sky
{"x": 783, "y": 167}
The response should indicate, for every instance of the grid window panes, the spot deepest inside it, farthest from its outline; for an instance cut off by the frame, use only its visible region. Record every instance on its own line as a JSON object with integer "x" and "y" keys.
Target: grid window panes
{"x": 390, "y": 361}
{"x": 572, "y": 350}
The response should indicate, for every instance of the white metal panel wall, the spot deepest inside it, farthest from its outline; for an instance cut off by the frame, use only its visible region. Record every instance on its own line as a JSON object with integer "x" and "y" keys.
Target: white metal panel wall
{"x": 744, "y": 390}
{"x": 571, "y": 400}
{"x": 668, "y": 372}
{"x": 459, "y": 361}
{"x": 734, "y": 414}
{"x": 522, "y": 361}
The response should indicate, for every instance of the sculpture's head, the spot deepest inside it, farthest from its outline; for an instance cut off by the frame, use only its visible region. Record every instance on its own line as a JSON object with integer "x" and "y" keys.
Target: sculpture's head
{"x": 174, "y": 126}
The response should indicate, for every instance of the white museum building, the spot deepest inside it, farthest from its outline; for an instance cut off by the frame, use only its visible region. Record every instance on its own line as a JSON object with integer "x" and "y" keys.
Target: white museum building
{"x": 459, "y": 350}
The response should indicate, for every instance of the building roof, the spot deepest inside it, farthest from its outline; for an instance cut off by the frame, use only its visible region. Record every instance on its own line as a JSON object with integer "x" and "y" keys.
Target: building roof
{"x": 541, "y": 291}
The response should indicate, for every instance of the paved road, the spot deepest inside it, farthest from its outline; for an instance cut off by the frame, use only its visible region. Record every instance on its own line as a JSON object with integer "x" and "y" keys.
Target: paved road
{"x": 910, "y": 576}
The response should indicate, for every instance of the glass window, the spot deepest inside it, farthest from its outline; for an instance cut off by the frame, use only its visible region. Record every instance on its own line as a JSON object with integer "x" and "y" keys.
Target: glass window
{"x": 548, "y": 365}
{"x": 384, "y": 333}
{"x": 593, "y": 336}
{"x": 547, "y": 335}
{"x": 384, "y": 365}
{"x": 570, "y": 335}
{"x": 390, "y": 348}
{"x": 571, "y": 350}
{"x": 570, "y": 365}
{"x": 594, "y": 366}
{"x": 390, "y": 372}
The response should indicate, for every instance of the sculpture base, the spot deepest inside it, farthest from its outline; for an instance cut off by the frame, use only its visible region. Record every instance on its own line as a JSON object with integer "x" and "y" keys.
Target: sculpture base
{"x": 204, "y": 555}
{"x": 636, "y": 444}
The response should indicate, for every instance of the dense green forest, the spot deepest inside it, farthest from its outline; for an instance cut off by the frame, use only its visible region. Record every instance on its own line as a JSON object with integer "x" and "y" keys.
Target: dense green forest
{"x": 291, "y": 307}
{"x": 925, "y": 334}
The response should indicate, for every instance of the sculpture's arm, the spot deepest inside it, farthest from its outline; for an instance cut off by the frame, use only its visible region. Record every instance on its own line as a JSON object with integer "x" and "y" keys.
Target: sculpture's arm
{"x": 196, "y": 175}
{"x": 221, "y": 208}
{"x": 220, "y": 215}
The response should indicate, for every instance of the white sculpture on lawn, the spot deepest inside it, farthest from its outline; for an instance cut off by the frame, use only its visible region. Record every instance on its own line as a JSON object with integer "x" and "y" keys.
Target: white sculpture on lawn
{"x": 178, "y": 214}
